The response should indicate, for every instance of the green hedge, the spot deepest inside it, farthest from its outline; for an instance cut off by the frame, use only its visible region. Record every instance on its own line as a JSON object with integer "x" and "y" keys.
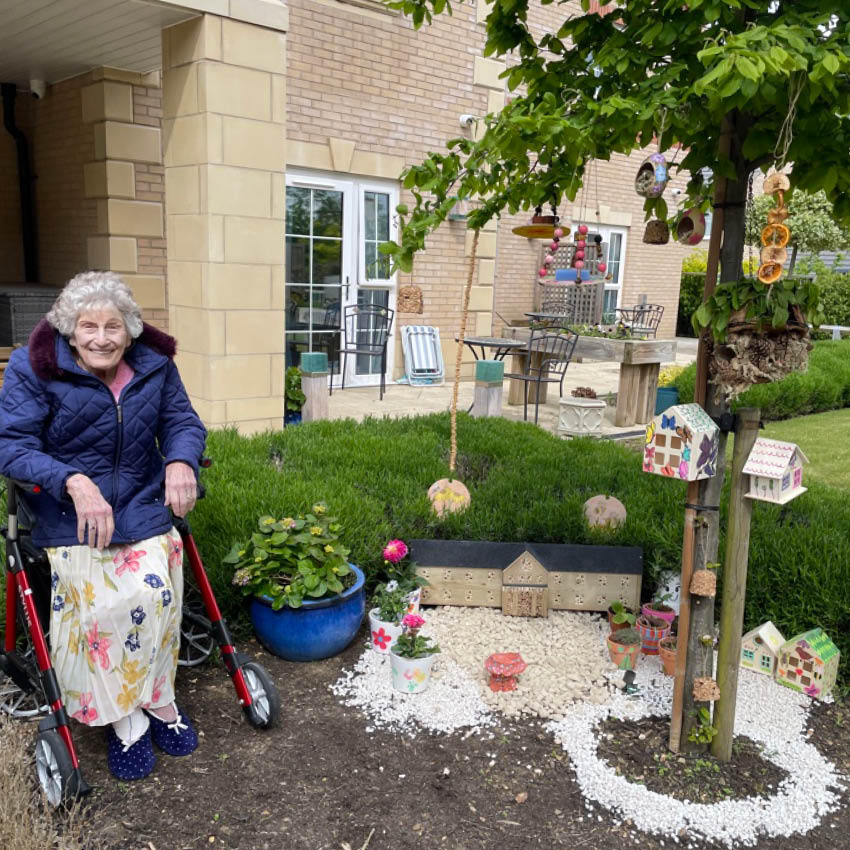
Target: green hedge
{"x": 824, "y": 386}
{"x": 525, "y": 485}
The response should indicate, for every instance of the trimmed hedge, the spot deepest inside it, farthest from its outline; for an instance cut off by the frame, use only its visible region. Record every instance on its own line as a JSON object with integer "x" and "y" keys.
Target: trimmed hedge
{"x": 824, "y": 386}
{"x": 525, "y": 484}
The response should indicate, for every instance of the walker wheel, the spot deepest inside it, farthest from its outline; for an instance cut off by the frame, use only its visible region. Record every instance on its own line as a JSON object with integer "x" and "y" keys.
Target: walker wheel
{"x": 54, "y": 768}
{"x": 265, "y": 700}
{"x": 196, "y": 640}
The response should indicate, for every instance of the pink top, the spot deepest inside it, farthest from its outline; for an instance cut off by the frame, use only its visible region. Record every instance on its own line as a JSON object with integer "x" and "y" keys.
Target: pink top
{"x": 123, "y": 376}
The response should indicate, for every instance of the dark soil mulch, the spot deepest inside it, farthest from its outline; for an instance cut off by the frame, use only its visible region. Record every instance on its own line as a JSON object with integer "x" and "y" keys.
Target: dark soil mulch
{"x": 637, "y": 749}
{"x": 320, "y": 781}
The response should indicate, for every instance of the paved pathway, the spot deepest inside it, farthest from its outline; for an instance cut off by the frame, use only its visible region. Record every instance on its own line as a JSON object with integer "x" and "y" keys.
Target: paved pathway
{"x": 403, "y": 400}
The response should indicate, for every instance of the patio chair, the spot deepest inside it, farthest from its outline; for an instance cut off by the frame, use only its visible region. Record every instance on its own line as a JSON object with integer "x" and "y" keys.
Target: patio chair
{"x": 549, "y": 352}
{"x": 365, "y": 331}
{"x": 643, "y": 319}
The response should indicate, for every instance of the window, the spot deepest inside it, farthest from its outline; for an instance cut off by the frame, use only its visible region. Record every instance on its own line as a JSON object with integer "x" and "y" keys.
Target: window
{"x": 749, "y": 655}
{"x": 766, "y": 662}
{"x": 375, "y": 228}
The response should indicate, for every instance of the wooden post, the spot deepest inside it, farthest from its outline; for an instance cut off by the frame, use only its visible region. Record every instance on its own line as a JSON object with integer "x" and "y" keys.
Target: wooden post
{"x": 314, "y": 383}
{"x": 734, "y": 585}
{"x": 489, "y": 378}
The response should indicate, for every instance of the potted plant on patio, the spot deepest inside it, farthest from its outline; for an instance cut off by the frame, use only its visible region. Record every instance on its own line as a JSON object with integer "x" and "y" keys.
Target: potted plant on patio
{"x": 412, "y": 656}
{"x": 293, "y": 396}
{"x": 667, "y": 651}
{"x": 624, "y": 648}
{"x": 667, "y": 393}
{"x": 619, "y": 616}
{"x": 581, "y": 413}
{"x": 397, "y": 568}
{"x": 307, "y": 600}
{"x": 390, "y": 605}
{"x": 651, "y": 630}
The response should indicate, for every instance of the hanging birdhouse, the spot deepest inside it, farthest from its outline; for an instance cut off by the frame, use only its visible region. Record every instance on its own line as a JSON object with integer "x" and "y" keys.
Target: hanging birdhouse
{"x": 682, "y": 442}
{"x": 652, "y": 176}
{"x": 776, "y": 471}
{"x": 690, "y": 229}
{"x": 657, "y": 232}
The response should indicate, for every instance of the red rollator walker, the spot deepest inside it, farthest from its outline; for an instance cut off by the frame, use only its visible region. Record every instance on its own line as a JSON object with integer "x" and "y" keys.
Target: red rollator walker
{"x": 28, "y": 685}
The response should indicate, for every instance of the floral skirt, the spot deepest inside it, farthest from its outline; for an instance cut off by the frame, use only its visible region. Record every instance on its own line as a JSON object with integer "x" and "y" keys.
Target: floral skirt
{"x": 115, "y": 626}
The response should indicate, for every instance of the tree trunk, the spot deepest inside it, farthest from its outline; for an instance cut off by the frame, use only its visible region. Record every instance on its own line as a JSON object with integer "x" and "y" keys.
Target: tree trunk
{"x": 793, "y": 262}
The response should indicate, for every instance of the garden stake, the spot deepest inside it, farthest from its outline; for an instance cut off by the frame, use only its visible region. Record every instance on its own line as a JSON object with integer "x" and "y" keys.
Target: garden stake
{"x": 448, "y": 494}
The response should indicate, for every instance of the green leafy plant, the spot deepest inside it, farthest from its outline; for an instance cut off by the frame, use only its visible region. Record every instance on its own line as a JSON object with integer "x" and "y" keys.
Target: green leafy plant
{"x": 620, "y": 613}
{"x": 667, "y": 376}
{"x": 410, "y": 644}
{"x": 391, "y": 601}
{"x": 292, "y": 392}
{"x": 702, "y": 732}
{"x": 290, "y": 559}
{"x": 659, "y": 602}
{"x": 625, "y": 637}
{"x": 749, "y": 300}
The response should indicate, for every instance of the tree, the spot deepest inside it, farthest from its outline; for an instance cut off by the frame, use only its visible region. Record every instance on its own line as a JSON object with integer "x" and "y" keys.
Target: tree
{"x": 813, "y": 228}
{"x": 774, "y": 75}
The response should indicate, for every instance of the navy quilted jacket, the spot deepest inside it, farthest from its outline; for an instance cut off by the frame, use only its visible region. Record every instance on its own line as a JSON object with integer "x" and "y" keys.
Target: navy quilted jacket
{"x": 56, "y": 419}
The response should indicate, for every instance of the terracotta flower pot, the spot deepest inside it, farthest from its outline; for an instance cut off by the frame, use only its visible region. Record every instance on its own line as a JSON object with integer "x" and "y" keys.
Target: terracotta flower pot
{"x": 615, "y": 627}
{"x": 667, "y": 651}
{"x": 665, "y": 612}
{"x": 623, "y": 655}
{"x": 651, "y": 631}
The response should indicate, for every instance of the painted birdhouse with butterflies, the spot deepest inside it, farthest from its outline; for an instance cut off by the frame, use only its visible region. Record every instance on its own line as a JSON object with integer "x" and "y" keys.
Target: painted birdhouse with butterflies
{"x": 682, "y": 443}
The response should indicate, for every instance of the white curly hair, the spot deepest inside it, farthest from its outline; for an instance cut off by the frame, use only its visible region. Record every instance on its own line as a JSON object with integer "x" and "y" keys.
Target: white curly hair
{"x": 94, "y": 291}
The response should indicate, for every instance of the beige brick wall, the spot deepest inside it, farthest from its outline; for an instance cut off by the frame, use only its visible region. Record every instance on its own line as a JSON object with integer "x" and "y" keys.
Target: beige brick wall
{"x": 11, "y": 250}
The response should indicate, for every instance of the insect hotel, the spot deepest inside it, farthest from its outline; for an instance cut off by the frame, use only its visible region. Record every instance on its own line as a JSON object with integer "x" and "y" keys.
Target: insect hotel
{"x": 809, "y": 663}
{"x": 528, "y": 579}
{"x": 776, "y": 471}
{"x": 761, "y": 647}
{"x": 682, "y": 443}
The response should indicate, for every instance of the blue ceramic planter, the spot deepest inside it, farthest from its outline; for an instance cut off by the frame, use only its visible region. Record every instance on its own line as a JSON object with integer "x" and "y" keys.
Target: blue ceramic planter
{"x": 318, "y": 629}
{"x": 292, "y": 417}
{"x": 666, "y": 397}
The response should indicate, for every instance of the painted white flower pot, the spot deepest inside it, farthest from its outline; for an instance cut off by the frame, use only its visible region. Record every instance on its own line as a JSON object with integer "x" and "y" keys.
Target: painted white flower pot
{"x": 581, "y": 417}
{"x": 413, "y": 600}
{"x": 411, "y": 675}
{"x": 382, "y": 633}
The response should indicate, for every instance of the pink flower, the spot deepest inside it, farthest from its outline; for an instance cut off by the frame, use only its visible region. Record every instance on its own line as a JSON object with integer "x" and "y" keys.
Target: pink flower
{"x": 97, "y": 647}
{"x": 683, "y": 470}
{"x": 175, "y": 553}
{"x": 127, "y": 559}
{"x": 156, "y": 694}
{"x": 413, "y": 621}
{"x": 381, "y": 639}
{"x": 87, "y": 713}
{"x": 812, "y": 690}
{"x": 395, "y": 551}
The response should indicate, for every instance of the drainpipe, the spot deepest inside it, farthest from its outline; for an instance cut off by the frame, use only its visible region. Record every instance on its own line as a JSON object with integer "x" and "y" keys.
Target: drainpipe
{"x": 9, "y": 91}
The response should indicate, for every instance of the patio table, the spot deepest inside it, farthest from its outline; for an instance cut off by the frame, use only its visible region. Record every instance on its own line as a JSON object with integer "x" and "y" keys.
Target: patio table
{"x": 501, "y": 345}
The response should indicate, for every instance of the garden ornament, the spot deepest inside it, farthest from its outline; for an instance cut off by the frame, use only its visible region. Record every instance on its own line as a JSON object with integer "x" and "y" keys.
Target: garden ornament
{"x": 503, "y": 668}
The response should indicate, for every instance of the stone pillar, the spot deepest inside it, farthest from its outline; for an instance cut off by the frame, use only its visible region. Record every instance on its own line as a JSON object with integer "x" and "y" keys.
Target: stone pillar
{"x": 314, "y": 383}
{"x": 224, "y": 152}
{"x": 124, "y": 150}
{"x": 489, "y": 379}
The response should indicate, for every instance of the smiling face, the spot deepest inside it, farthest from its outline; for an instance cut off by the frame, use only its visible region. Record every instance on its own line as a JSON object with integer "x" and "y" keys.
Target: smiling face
{"x": 100, "y": 339}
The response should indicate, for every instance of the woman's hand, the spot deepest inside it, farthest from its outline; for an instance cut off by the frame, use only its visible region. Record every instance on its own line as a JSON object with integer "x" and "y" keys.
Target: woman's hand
{"x": 94, "y": 513}
{"x": 181, "y": 488}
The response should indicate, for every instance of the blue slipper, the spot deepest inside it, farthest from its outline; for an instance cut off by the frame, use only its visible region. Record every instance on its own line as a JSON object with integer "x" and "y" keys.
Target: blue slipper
{"x": 178, "y": 738}
{"x": 127, "y": 763}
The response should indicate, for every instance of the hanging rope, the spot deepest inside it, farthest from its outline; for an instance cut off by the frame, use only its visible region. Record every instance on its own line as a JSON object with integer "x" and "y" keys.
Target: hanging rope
{"x": 786, "y": 131}
{"x": 461, "y": 336}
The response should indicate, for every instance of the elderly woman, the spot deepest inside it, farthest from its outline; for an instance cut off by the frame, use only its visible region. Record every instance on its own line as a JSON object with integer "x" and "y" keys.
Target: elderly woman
{"x": 93, "y": 411}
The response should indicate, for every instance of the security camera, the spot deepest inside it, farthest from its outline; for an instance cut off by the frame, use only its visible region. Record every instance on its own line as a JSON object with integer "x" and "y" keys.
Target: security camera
{"x": 466, "y": 121}
{"x": 38, "y": 88}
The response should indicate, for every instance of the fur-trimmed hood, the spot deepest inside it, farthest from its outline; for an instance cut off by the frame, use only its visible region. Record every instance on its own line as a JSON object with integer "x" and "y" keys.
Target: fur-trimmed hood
{"x": 45, "y": 361}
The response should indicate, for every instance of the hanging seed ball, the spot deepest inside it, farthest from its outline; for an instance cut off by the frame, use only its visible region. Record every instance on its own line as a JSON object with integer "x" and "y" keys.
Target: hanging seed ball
{"x": 582, "y": 228}
{"x": 553, "y": 246}
{"x": 543, "y": 272}
{"x": 579, "y": 254}
{"x": 558, "y": 233}
{"x": 601, "y": 267}
{"x": 579, "y": 264}
{"x": 581, "y": 243}
{"x": 548, "y": 260}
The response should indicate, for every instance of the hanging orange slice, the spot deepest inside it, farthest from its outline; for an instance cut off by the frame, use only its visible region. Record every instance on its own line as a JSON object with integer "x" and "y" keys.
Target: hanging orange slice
{"x": 775, "y": 234}
{"x": 777, "y": 182}
{"x": 777, "y": 215}
{"x": 774, "y": 254}
{"x": 769, "y": 272}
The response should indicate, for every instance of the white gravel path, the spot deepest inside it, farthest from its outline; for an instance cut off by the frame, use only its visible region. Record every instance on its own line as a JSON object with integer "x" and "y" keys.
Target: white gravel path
{"x": 568, "y": 683}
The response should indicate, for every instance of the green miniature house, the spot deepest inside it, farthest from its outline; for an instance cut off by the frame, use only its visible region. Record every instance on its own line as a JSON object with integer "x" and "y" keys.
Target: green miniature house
{"x": 809, "y": 663}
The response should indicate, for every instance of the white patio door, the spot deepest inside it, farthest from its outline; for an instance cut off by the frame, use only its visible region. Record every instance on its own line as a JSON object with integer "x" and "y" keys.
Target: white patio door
{"x": 614, "y": 255}
{"x": 333, "y": 229}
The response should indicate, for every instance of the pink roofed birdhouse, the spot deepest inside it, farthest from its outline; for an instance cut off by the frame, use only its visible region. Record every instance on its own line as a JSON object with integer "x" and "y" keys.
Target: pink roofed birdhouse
{"x": 776, "y": 471}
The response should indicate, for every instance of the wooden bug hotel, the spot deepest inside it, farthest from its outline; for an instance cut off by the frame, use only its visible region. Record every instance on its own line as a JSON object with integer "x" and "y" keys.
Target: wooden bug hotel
{"x": 682, "y": 443}
{"x": 528, "y": 579}
{"x": 809, "y": 663}
{"x": 776, "y": 471}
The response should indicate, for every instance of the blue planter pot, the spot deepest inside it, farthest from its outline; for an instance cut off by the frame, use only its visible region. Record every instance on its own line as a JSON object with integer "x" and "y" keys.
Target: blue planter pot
{"x": 318, "y": 629}
{"x": 292, "y": 417}
{"x": 667, "y": 397}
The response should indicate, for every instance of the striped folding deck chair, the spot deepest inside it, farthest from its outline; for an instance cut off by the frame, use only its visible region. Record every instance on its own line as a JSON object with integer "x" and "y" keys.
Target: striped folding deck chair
{"x": 423, "y": 356}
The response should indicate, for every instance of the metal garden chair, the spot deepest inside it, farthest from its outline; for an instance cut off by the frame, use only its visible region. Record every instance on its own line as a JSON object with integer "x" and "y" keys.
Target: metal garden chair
{"x": 365, "y": 331}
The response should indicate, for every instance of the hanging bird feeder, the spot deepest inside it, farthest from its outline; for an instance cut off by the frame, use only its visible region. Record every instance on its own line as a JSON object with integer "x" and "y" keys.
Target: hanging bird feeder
{"x": 690, "y": 229}
{"x": 652, "y": 176}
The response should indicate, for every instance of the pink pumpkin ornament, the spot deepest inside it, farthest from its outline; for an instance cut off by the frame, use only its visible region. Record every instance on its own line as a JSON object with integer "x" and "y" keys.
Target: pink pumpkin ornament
{"x": 579, "y": 264}
{"x": 579, "y": 255}
{"x": 558, "y": 233}
{"x": 548, "y": 260}
{"x": 543, "y": 272}
{"x": 581, "y": 243}
{"x": 601, "y": 267}
{"x": 582, "y": 228}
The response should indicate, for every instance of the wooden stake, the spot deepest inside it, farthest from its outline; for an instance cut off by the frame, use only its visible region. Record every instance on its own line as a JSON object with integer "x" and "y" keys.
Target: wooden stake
{"x": 734, "y": 585}
{"x": 700, "y": 392}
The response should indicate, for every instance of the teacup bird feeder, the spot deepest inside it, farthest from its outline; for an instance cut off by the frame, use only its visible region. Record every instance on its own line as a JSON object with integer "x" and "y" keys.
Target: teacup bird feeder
{"x": 503, "y": 668}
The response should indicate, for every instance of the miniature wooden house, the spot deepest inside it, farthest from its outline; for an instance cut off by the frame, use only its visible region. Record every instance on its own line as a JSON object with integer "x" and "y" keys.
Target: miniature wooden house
{"x": 682, "y": 443}
{"x": 525, "y": 588}
{"x": 760, "y": 649}
{"x": 776, "y": 471}
{"x": 809, "y": 663}
{"x": 528, "y": 579}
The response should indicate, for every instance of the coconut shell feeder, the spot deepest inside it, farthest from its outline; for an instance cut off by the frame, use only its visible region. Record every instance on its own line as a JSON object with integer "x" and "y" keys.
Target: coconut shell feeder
{"x": 503, "y": 668}
{"x": 690, "y": 229}
{"x": 652, "y": 176}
